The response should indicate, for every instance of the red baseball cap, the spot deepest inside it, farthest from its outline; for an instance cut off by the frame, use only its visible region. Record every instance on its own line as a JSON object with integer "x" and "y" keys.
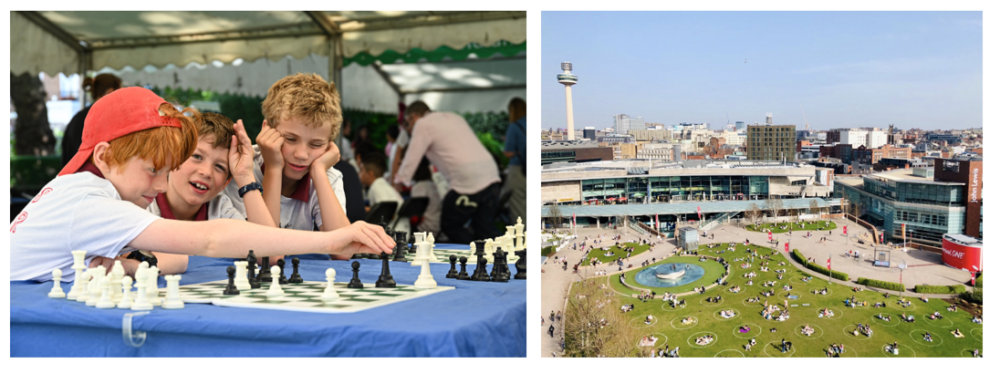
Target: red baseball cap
{"x": 124, "y": 111}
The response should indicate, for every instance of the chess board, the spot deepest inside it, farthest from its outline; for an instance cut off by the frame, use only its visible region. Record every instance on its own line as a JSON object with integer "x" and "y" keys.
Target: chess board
{"x": 303, "y": 297}
{"x": 442, "y": 255}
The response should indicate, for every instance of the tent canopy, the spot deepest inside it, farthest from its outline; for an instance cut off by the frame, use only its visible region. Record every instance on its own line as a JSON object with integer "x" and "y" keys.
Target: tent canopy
{"x": 384, "y": 56}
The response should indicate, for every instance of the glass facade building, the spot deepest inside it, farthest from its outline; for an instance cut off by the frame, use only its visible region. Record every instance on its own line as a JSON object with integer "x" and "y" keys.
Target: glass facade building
{"x": 929, "y": 209}
{"x": 665, "y": 189}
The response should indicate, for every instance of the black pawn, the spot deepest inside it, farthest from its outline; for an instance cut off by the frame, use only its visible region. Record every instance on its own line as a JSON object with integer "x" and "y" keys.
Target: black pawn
{"x": 452, "y": 273}
{"x": 281, "y": 272}
{"x": 481, "y": 272}
{"x": 500, "y": 266}
{"x": 385, "y": 279}
{"x": 265, "y": 270}
{"x": 355, "y": 281}
{"x": 296, "y": 278}
{"x": 521, "y": 265}
{"x": 231, "y": 287}
{"x": 497, "y": 268}
{"x": 252, "y": 270}
{"x": 462, "y": 275}
{"x": 399, "y": 251}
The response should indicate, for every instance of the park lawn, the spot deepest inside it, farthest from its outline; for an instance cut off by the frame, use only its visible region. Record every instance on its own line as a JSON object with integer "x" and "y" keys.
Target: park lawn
{"x": 828, "y": 330}
{"x": 824, "y": 225}
{"x": 599, "y": 253}
{"x": 713, "y": 270}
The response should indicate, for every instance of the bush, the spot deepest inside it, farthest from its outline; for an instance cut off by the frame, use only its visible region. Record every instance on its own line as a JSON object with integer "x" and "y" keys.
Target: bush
{"x": 880, "y": 284}
{"x": 818, "y": 268}
{"x": 955, "y": 289}
{"x": 979, "y": 281}
{"x": 548, "y": 250}
{"x": 976, "y": 296}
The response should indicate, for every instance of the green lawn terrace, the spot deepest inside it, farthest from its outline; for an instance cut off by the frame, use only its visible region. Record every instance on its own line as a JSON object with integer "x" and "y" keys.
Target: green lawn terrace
{"x": 804, "y": 309}
{"x": 617, "y": 252}
{"x": 822, "y": 225}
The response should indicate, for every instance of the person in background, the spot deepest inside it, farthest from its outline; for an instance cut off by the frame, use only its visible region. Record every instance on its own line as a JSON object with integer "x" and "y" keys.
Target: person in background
{"x": 353, "y": 191}
{"x": 379, "y": 190}
{"x": 516, "y": 149}
{"x": 98, "y": 86}
{"x": 423, "y": 186}
{"x": 346, "y": 146}
{"x": 391, "y": 136}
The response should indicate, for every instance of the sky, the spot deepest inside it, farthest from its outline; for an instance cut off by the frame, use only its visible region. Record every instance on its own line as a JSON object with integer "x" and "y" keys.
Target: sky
{"x": 830, "y": 69}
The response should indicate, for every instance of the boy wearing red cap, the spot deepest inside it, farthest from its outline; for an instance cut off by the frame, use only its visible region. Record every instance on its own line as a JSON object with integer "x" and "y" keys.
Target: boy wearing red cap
{"x": 194, "y": 190}
{"x": 131, "y": 139}
{"x": 295, "y": 154}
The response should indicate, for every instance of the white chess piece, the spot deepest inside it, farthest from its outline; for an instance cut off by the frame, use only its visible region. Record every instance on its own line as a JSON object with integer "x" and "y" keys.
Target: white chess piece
{"x": 57, "y": 292}
{"x": 241, "y": 281}
{"x": 488, "y": 251}
{"x": 425, "y": 280}
{"x": 105, "y": 300}
{"x": 78, "y": 257}
{"x": 95, "y": 285}
{"x": 84, "y": 282}
{"x": 117, "y": 272}
{"x": 330, "y": 293}
{"x": 519, "y": 234}
{"x": 141, "y": 299}
{"x": 510, "y": 231}
{"x": 275, "y": 290}
{"x": 152, "y": 286}
{"x": 126, "y": 300}
{"x": 173, "y": 300}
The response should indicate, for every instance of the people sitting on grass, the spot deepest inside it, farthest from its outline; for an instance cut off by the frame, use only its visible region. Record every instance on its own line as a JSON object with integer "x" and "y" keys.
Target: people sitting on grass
{"x": 808, "y": 330}
{"x": 884, "y": 317}
{"x": 787, "y": 287}
{"x": 769, "y": 293}
{"x": 957, "y": 333}
{"x": 753, "y": 299}
{"x": 858, "y": 289}
{"x": 936, "y": 316}
{"x": 728, "y": 314}
{"x": 924, "y": 299}
{"x": 819, "y": 292}
{"x": 648, "y": 341}
{"x": 627, "y": 308}
{"x": 714, "y": 299}
{"x": 735, "y": 289}
{"x": 908, "y": 319}
{"x": 904, "y": 302}
{"x": 952, "y": 308}
{"x": 750, "y": 275}
{"x": 928, "y": 338}
{"x": 744, "y": 328}
{"x": 649, "y": 319}
{"x": 977, "y": 319}
{"x": 825, "y": 312}
{"x": 704, "y": 340}
{"x": 688, "y": 320}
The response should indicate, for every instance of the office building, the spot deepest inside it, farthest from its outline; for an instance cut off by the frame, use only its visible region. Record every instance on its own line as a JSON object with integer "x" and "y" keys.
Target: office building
{"x": 771, "y": 142}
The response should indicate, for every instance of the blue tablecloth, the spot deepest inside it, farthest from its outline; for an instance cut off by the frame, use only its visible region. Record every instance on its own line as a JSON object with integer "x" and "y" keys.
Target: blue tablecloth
{"x": 475, "y": 319}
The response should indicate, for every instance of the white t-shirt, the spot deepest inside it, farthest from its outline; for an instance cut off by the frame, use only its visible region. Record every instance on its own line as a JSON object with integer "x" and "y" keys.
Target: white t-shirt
{"x": 301, "y": 211}
{"x": 80, "y": 211}
{"x": 218, "y": 208}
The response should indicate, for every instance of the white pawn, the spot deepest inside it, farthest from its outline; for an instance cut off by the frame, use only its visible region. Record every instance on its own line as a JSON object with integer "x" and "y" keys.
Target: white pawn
{"x": 57, "y": 292}
{"x": 117, "y": 272}
{"x": 330, "y": 293}
{"x": 105, "y": 301}
{"x": 84, "y": 280}
{"x": 173, "y": 300}
{"x": 126, "y": 300}
{"x": 141, "y": 299}
{"x": 275, "y": 290}
{"x": 152, "y": 286}
{"x": 425, "y": 280}
{"x": 241, "y": 281}
{"x": 95, "y": 286}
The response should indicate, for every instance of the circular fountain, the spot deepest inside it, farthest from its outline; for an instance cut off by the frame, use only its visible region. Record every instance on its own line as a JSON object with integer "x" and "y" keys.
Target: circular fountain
{"x": 669, "y": 275}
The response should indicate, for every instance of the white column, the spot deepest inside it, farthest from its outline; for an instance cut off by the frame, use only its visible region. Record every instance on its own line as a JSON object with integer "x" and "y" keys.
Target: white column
{"x": 569, "y": 113}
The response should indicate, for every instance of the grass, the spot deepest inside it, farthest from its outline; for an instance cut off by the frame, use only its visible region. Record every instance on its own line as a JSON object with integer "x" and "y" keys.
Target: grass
{"x": 828, "y": 330}
{"x": 599, "y": 253}
{"x": 810, "y": 226}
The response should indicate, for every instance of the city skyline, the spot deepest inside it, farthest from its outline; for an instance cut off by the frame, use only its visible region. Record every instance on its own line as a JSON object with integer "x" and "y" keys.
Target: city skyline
{"x": 839, "y": 69}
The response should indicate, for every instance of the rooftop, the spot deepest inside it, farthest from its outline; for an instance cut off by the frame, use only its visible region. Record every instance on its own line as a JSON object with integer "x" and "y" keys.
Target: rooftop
{"x": 566, "y": 144}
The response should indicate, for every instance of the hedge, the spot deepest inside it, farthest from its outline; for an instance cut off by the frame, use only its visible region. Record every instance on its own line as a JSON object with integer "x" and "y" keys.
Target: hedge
{"x": 956, "y": 289}
{"x": 818, "y": 268}
{"x": 979, "y": 281}
{"x": 976, "y": 296}
{"x": 548, "y": 250}
{"x": 880, "y": 284}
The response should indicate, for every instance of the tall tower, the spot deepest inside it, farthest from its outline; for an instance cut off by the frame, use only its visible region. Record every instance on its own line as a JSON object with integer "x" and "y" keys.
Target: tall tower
{"x": 568, "y": 79}
{"x": 768, "y": 118}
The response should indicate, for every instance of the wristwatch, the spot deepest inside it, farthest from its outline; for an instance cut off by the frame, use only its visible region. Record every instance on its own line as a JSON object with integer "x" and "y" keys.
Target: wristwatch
{"x": 141, "y": 256}
{"x": 250, "y": 187}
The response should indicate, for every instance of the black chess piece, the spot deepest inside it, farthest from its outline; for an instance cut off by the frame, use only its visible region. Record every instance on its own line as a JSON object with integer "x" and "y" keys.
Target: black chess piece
{"x": 500, "y": 265}
{"x": 252, "y": 270}
{"x": 521, "y": 265}
{"x": 496, "y": 264}
{"x": 385, "y": 279}
{"x": 506, "y": 266}
{"x": 265, "y": 270}
{"x": 480, "y": 250}
{"x": 399, "y": 251}
{"x": 231, "y": 287}
{"x": 296, "y": 278}
{"x": 281, "y": 272}
{"x": 481, "y": 272}
{"x": 355, "y": 281}
{"x": 357, "y": 256}
{"x": 452, "y": 273}
{"x": 413, "y": 244}
{"x": 462, "y": 275}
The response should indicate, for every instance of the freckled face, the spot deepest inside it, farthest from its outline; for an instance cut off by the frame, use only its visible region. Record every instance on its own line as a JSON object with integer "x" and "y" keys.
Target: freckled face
{"x": 302, "y": 145}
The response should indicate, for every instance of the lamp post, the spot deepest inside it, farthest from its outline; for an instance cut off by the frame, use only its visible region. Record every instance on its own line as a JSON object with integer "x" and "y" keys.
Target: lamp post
{"x": 902, "y": 266}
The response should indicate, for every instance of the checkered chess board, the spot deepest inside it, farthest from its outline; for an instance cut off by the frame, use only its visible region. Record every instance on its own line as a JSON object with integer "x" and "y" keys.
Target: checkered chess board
{"x": 304, "y": 297}
{"x": 442, "y": 255}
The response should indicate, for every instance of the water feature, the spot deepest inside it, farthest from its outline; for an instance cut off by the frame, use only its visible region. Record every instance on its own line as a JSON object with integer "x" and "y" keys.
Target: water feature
{"x": 691, "y": 273}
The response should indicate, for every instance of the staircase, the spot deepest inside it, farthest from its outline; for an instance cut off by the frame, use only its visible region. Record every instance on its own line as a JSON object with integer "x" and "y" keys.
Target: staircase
{"x": 716, "y": 220}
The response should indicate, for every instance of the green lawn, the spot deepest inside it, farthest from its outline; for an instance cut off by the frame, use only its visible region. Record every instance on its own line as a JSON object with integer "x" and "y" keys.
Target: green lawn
{"x": 806, "y": 308}
{"x": 599, "y": 254}
{"x": 810, "y": 226}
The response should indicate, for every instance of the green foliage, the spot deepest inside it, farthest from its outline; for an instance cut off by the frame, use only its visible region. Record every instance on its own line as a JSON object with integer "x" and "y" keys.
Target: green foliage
{"x": 976, "y": 296}
{"x": 954, "y": 289}
{"x": 493, "y": 123}
{"x": 880, "y": 284}
{"x": 818, "y": 268}
{"x": 548, "y": 250}
{"x": 33, "y": 172}
{"x": 979, "y": 281}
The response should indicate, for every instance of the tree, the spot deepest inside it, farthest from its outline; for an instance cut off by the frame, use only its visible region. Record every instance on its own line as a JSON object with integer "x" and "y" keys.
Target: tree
{"x": 32, "y": 134}
{"x": 555, "y": 216}
{"x": 775, "y": 206}
{"x": 594, "y": 325}
{"x": 754, "y": 214}
{"x": 813, "y": 207}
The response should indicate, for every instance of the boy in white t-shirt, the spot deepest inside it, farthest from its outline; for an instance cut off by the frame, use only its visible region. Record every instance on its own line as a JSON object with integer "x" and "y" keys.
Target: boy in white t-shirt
{"x": 301, "y": 118}
{"x": 194, "y": 190}
{"x": 131, "y": 140}
{"x": 379, "y": 191}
